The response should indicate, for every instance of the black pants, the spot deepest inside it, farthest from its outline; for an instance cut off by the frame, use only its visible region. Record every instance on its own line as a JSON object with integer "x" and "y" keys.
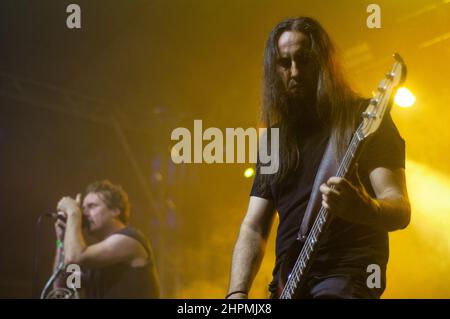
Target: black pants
{"x": 338, "y": 287}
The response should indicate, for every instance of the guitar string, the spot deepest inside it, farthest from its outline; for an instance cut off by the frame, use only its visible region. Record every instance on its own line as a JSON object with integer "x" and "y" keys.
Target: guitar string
{"x": 316, "y": 227}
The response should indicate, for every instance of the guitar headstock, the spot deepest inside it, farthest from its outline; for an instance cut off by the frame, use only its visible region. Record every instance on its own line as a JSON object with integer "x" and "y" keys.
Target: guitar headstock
{"x": 382, "y": 101}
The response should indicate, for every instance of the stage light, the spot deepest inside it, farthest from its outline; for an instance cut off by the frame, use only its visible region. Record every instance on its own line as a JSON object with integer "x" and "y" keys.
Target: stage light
{"x": 404, "y": 98}
{"x": 249, "y": 172}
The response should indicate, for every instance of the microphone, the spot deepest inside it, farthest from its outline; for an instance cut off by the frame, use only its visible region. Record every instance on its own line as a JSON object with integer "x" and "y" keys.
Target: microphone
{"x": 56, "y": 216}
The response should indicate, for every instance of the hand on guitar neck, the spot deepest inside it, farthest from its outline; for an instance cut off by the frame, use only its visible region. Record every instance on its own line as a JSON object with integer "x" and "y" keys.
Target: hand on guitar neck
{"x": 348, "y": 199}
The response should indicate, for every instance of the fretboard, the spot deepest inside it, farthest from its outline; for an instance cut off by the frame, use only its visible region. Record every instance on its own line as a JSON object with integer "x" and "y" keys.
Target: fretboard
{"x": 320, "y": 222}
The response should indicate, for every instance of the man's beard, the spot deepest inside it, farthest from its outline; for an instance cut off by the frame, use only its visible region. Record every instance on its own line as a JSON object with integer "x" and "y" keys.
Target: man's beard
{"x": 300, "y": 113}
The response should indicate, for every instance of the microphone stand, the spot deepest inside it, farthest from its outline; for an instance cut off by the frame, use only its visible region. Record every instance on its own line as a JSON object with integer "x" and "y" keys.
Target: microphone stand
{"x": 59, "y": 292}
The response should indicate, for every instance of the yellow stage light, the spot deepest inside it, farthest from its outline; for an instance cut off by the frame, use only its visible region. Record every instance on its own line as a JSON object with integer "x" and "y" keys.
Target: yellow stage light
{"x": 404, "y": 98}
{"x": 249, "y": 172}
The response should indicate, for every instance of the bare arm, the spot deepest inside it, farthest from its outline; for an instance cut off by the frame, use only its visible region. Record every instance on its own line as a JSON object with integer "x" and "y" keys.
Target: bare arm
{"x": 114, "y": 249}
{"x": 74, "y": 243}
{"x": 250, "y": 245}
{"x": 393, "y": 209}
{"x": 390, "y": 210}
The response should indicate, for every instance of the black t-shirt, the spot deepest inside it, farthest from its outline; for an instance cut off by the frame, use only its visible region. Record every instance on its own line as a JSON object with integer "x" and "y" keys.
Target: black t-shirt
{"x": 121, "y": 281}
{"x": 345, "y": 248}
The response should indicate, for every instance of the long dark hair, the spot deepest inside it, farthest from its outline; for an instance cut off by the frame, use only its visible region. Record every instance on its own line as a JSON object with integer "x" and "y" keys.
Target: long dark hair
{"x": 334, "y": 99}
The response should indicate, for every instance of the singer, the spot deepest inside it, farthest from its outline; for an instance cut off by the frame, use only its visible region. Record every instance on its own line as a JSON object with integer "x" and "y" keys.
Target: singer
{"x": 120, "y": 263}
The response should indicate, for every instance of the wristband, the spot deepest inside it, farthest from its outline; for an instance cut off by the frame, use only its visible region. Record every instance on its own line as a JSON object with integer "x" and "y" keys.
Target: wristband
{"x": 59, "y": 244}
{"x": 236, "y": 292}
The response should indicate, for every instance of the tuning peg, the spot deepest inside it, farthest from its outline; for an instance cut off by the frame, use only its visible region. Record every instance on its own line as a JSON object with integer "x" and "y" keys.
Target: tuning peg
{"x": 374, "y": 101}
{"x": 390, "y": 75}
{"x": 382, "y": 88}
{"x": 369, "y": 115}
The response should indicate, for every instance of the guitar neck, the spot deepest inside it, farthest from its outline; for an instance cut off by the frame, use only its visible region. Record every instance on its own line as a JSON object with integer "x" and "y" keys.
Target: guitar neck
{"x": 302, "y": 263}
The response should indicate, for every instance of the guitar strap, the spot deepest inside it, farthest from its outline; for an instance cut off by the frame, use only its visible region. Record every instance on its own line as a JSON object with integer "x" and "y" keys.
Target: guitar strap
{"x": 328, "y": 168}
